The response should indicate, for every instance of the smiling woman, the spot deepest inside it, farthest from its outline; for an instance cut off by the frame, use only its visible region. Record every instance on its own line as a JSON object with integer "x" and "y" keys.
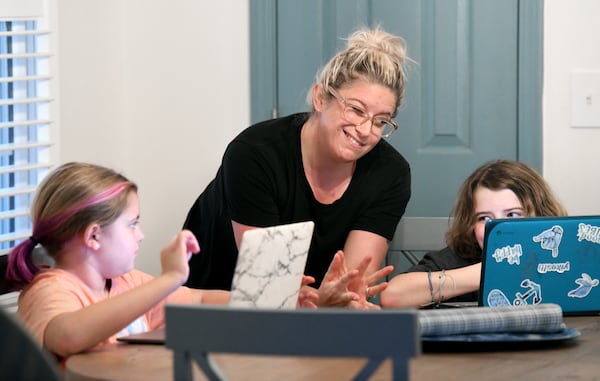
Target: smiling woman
{"x": 331, "y": 166}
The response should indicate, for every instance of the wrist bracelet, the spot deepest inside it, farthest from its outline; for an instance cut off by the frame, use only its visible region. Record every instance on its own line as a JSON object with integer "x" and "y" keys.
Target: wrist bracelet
{"x": 430, "y": 287}
{"x": 441, "y": 283}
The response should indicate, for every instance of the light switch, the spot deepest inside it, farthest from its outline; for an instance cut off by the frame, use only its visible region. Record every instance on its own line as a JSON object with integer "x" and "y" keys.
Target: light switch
{"x": 585, "y": 99}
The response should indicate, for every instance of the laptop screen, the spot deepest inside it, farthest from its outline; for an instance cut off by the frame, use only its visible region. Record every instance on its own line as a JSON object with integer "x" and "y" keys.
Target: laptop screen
{"x": 542, "y": 260}
{"x": 270, "y": 266}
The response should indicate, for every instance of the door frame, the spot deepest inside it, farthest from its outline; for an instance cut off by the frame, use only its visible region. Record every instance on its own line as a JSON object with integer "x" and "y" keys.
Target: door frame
{"x": 263, "y": 65}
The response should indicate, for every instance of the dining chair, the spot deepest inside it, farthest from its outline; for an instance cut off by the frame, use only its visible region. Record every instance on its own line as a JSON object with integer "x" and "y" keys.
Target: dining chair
{"x": 195, "y": 331}
{"x": 8, "y": 297}
{"x": 22, "y": 358}
{"x": 4, "y": 287}
{"x": 414, "y": 237}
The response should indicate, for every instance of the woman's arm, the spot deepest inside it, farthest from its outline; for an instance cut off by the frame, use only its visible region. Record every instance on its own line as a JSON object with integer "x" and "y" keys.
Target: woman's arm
{"x": 361, "y": 244}
{"x": 239, "y": 230}
{"x": 413, "y": 289}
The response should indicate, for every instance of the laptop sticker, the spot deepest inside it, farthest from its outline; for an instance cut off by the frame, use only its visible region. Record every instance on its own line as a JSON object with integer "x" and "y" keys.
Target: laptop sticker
{"x": 496, "y": 298}
{"x": 550, "y": 239}
{"x": 533, "y": 295}
{"x": 588, "y": 232}
{"x": 586, "y": 283}
{"x": 511, "y": 254}
{"x": 560, "y": 267}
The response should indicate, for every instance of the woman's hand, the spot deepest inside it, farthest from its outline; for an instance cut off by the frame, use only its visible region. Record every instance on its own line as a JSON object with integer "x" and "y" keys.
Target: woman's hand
{"x": 334, "y": 291}
{"x": 308, "y": 296}
{"x": 343, "y": 288}
{"x": 366, "y": 285}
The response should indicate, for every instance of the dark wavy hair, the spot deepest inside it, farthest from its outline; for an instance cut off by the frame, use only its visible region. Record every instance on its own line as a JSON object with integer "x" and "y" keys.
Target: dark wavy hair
{"x": 529, "y": 186}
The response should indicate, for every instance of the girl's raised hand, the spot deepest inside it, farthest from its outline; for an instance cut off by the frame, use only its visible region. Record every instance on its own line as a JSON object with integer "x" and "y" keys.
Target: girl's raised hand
{"x": 175, "y": 255}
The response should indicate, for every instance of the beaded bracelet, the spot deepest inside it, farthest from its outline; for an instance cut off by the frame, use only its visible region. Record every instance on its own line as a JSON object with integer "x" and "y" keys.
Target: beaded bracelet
{"x": 441, "y": 283}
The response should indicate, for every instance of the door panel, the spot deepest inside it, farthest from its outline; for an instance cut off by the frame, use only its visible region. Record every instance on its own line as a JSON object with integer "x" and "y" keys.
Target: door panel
{"x": 309, "y": 33}
{"x": 456, "y": 116}
{"x": 462, "y": 101}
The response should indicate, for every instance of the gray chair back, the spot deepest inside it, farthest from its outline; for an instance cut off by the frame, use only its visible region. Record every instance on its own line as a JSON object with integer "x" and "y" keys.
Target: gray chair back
{"x": 414, "y": 237}
{"x": 194, "y": 331}
{"x": 8, "y": 297}
{"x": 22, "y": 358}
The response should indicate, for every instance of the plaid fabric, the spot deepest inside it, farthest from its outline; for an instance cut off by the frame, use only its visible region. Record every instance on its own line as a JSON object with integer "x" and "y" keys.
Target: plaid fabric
{"x": 530, "y": 318}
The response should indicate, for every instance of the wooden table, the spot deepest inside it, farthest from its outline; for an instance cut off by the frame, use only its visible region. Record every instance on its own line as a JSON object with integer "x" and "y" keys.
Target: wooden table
{"x": 577, "y": 359}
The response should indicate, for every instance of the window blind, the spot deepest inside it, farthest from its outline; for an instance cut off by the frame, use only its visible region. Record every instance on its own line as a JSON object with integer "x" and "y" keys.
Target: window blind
{"x": 25, "y": 122}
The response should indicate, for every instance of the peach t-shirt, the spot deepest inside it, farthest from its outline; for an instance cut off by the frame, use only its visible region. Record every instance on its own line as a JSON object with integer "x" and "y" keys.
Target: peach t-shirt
{"x": 57, "y": 291}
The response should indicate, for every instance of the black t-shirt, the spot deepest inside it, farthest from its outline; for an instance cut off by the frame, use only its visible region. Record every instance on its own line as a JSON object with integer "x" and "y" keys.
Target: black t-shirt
{"x": 261, "y": 182}
{"x": 446, "y": 259}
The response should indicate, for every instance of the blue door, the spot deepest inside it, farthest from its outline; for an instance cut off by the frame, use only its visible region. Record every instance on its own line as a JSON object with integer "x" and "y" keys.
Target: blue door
{"x": 474, "y": 93}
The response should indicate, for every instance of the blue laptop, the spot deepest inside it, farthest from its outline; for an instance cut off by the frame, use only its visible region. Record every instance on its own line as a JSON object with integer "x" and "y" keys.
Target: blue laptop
{"x": 542, "y": 260}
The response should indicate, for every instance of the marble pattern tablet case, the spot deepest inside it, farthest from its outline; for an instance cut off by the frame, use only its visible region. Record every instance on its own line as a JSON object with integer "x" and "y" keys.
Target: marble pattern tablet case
{"x": 270, "y": 266}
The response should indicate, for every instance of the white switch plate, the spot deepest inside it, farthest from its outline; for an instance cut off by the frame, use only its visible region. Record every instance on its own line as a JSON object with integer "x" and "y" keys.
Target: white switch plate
{"x": 585, "y": 99}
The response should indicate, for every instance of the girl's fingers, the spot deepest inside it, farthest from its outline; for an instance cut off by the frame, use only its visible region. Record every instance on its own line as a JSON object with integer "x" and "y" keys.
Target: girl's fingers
{"x": 380, "y": 274}
{"x": 374, "y": 290}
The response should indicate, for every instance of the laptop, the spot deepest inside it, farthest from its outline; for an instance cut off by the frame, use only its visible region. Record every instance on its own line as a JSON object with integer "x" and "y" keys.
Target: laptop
{"x": 156, "y": 336}
{"x": 268, "y": 273}
{"x": 542, "y": 260}
{"x": 270, "y": 266}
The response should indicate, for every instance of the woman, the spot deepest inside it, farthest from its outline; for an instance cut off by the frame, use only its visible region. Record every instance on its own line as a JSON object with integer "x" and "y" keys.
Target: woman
{"x": 497, "y": 189}
{"x": 331, "y": 166}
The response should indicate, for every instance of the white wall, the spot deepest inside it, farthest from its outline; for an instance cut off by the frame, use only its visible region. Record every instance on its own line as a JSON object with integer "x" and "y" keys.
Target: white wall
{"x": 157, "y": 89}
{"x": 571, "y": 42}
{"x": 154, "y": 89}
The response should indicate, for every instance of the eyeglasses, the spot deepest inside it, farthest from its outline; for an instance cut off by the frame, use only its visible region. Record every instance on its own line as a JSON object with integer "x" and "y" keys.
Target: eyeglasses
{"x": 354, "y": 113}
